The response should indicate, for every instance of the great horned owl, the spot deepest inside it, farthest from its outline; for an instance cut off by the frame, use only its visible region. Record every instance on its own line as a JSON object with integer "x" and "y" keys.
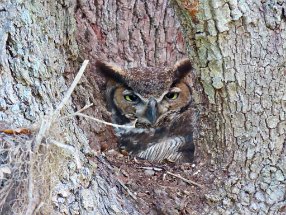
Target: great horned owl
{"x": 157, "y": 100}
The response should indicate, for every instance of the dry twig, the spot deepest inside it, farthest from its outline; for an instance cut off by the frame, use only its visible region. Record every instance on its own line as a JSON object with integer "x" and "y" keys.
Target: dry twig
{"x": 78, "y": 113}
{"x": 104, "y": 122}
{"x": 71, "y": 89}
{"x": 46, "y": 123}
{"x": 185, "y": 180}
{"x": 126, "y": 188}
{"x": 151, "y": 168}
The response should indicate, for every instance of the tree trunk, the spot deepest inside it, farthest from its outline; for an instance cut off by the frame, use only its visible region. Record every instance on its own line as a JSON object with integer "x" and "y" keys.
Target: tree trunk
{"x": 238, "y": 51}
{"x": 42, "y": 47}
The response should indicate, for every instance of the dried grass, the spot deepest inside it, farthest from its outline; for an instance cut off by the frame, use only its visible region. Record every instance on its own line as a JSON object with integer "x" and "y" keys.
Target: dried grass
{"x": 29, "y": 170}
{"x": 28, "y": 162}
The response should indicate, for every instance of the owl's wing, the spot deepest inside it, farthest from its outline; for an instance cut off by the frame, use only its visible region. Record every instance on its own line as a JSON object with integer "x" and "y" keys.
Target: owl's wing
{"x": 172, "y": 148}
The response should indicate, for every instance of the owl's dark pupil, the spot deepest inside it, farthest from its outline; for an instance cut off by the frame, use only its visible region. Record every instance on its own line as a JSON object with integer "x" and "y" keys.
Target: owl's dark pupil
{"x": 131, "y": 98}
{"x": 172, "y": 95}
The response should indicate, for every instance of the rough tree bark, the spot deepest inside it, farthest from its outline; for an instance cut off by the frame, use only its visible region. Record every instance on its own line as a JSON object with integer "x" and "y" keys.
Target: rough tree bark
{"x": 42, "y": 46}
{"x": 238, "y": 50}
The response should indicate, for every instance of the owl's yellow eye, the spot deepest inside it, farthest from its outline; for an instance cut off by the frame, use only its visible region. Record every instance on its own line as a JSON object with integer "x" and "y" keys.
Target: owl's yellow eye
{"x": 172, "y": 95}
{"x": 131, "y": 98}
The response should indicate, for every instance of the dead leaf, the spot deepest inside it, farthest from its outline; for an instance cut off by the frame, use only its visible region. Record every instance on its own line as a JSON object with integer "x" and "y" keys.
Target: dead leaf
{"x": 16, "y": 131}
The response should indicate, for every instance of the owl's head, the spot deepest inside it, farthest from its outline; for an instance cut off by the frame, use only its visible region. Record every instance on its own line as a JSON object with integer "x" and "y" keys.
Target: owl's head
{"x": 151, "y": 95}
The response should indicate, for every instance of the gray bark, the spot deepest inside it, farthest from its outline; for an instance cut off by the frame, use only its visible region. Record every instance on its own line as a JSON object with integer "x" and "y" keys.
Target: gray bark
{"x": 239, "y": 50}
{"x": 42, "y": 44}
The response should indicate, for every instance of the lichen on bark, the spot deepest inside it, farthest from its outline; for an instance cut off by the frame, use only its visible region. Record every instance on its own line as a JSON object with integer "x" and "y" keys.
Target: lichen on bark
{"x": 239, "y": 54}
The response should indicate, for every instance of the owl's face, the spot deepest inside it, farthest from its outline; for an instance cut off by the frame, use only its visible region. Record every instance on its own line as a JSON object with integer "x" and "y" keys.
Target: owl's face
{"x": 151, "y": 96}
{"x": 149, "y": 110}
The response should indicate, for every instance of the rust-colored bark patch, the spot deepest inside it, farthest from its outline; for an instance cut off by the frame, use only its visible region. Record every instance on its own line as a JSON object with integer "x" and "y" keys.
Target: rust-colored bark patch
{"x": 192, "y": 7}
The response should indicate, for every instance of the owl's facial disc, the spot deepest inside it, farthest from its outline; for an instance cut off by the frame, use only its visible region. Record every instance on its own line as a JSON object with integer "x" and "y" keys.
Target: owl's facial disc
{"x": 147, "y": 109}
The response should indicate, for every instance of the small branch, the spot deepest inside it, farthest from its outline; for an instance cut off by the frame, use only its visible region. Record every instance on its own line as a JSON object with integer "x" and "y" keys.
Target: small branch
{"x": 39, "y": 207}
{"x": 45, "y": 126}
{"x": 33, "y": 194}
{"x": 79, "y": 111}
{"x": 84, "y": 108}
{"x": 47, "y": 121}
{"x": 71, "y": 89}
{"x": 104, "y": 122}
{"x": 128, "y": 191}
{"x": 151, "y": 168}
{"x": 185, "y": 180}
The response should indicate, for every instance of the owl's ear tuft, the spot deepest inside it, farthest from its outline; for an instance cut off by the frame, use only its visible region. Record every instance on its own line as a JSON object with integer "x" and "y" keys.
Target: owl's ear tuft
{"x": 110, "y": 71}
{"x": 182, "y": 68}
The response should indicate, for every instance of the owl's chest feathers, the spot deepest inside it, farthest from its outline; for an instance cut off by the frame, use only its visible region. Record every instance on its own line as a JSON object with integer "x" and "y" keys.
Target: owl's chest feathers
{"x": 154, "y": 144}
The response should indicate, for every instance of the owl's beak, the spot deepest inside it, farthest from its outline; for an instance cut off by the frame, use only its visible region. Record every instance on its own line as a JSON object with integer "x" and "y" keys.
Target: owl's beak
{"x": 151, "y": 112}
